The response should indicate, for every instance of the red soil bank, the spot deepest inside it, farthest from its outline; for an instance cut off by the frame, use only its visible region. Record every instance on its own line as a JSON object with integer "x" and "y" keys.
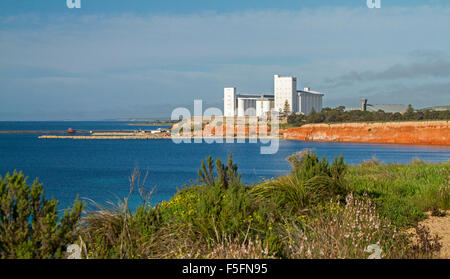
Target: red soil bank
{"x": 239, "y": 130}
{"x": 418, "y": 132}
{"x": 230, "y": 130}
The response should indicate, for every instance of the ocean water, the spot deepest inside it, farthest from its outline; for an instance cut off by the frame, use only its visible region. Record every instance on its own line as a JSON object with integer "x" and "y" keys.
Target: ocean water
{"x": 99, "y": 170}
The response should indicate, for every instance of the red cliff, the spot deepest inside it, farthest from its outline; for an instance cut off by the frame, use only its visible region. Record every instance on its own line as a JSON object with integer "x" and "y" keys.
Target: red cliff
{"x": 419, "y": 132}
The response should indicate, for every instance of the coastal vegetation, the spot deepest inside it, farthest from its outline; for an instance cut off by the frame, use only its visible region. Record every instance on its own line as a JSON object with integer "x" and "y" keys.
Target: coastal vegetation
{"x": 340, "y": 115}
{"x": 29, "y": 223}
{"x": 320, "y": 209}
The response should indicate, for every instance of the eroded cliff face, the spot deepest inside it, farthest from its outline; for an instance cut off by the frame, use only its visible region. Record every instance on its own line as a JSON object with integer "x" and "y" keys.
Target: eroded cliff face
{"x": 227, "y": 130}
{"x": 417, "y": 132}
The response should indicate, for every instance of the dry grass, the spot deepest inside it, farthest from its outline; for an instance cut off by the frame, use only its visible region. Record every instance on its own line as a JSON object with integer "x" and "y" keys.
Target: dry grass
{"x": 234, "y": 248}
{"x": 340, "y": 232}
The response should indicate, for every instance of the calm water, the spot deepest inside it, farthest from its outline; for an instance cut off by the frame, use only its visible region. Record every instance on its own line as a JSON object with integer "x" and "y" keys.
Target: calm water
{"x": 100, "y": 169}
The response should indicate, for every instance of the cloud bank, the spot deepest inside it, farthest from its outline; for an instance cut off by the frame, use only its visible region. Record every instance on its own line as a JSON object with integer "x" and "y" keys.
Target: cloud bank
{"x": 430, "y": 66}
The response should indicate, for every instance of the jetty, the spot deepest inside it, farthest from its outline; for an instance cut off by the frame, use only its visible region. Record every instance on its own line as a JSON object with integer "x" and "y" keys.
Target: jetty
{"x": 103, "y": 137}
{"x": 44, "y": 132}
{"x": 146, "y": 137}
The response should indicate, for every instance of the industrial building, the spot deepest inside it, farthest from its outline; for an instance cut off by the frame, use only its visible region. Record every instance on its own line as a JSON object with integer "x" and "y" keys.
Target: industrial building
{"x": 285, "y": 92}
{"x": 388, "y": 108}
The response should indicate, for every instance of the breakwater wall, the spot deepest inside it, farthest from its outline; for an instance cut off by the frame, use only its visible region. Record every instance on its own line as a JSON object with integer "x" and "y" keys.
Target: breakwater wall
{"x": 99, "y": 137}
{"x": 152, "y": 137}
{"x": 42, "y": 132}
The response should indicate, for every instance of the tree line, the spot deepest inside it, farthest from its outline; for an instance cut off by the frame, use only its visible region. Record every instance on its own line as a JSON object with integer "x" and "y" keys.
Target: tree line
{"x": 339, "y": 114}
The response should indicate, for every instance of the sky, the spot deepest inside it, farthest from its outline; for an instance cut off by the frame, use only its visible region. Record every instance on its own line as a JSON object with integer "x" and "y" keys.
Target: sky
{"x": 141, "y": 59}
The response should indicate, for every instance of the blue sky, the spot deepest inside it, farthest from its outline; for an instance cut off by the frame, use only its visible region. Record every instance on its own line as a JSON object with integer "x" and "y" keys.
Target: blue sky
{"x": 121, "y": 59}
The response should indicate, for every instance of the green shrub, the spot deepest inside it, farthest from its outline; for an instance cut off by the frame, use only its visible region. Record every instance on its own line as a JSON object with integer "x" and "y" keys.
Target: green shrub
{"x": 402, "y": 192}
{"x": 311, "y": 182}
{"x": 226, "y": 175}
{"x": 30, "y": 227}
{"x": 223, "y": 206}
{"x": 401, "y": 211}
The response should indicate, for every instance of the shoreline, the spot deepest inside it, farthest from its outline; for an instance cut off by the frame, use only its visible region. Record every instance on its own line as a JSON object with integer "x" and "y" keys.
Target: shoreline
{"x": 419, "y": 133}
{"x": 373, "y": 143}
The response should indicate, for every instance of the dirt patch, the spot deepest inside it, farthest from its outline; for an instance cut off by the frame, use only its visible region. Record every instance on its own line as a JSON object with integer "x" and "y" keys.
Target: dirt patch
{"x": 440, "y": 226}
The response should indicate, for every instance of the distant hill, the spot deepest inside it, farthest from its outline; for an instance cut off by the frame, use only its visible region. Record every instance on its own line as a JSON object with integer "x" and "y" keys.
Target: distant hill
{"x": 139, "y": 119}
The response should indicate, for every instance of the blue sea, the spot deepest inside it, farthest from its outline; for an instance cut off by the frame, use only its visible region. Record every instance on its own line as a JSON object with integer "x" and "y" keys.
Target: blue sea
{"x": 99, "y": 170}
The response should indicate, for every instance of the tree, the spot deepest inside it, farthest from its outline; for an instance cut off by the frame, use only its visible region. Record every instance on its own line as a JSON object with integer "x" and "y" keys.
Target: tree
{"x": 409, "y": 114}
{"x": 396, "y": 116}
{"x": 332, "y": 116}
{"x": 287, "y": 108}
{"x": 340, "y": 108}
{"x": 30, "y": 227}
{"x": 296, "y": 119}
{"x": 339, "y": 115}
{"x": 314, "y": 117}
